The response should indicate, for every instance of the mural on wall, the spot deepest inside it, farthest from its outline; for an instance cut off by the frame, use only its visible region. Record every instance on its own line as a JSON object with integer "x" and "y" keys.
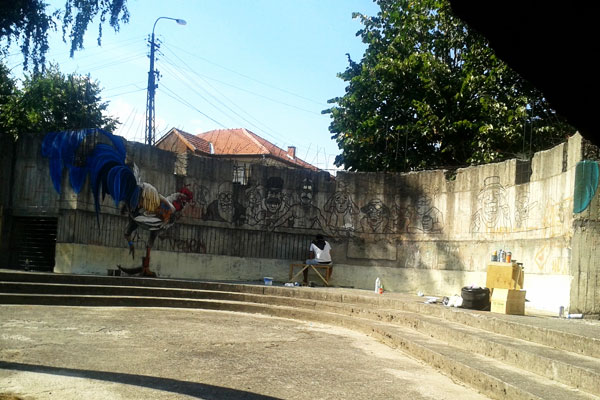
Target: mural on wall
{"x": 304, "y": 214}
{"x": 102, "y": 156}
{"x": 253, "y": 198}
{"x": 193, "y": 245}
{"x": 376, "y": 218}
{"x": 555, "y": 217}
{"x": 424, "y": 217}
{"x": 274, "y": 204}
{"x": 341, "y": 211}
{"x": 400, "y": 215}
{"x": 522, "y": 209}
{"x": 197, "y": 207}
{"x": 493, "y": 214}
{"x": 225, "y": 208}
{"x": 270, "y": 207}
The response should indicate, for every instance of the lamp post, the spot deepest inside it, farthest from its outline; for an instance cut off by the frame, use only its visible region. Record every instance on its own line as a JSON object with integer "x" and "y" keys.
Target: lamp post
{"x": 152, "y": 78}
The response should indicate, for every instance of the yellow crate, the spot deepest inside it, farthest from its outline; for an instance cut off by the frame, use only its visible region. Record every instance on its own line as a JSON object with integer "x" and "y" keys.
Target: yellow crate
{"x": 504, "y": 275}
{"x": 508, "y": 301}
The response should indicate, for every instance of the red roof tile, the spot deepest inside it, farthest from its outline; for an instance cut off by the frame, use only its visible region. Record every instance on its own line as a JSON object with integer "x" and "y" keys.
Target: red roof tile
{"x": 193, "y": 142}
{"x": 244, "y": 142}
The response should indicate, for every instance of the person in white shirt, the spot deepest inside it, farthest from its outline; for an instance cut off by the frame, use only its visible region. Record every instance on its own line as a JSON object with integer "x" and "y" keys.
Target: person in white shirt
{"x": 320, "y": 254}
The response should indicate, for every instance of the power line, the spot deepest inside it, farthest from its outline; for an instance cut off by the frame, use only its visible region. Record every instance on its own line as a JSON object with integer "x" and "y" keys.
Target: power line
{"x": 221, "y": 94}
{"x": 249, "y": 77}
{"x": 256, "y": 94}
{"x": 226, "y": 106}
{"x": 122, "y": 93}
{"x": 175, "y": 96}
{"x": 276, "y": 136}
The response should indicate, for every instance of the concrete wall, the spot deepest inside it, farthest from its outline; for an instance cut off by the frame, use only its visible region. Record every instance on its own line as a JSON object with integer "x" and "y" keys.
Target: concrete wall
{"x": 6, "y": 167}
{"x": 430, "y": 231}
{"x": 585, "y": 249}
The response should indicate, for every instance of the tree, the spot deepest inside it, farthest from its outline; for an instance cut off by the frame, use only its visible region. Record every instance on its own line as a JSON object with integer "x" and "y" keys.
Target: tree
{"x": 429, "y": 92}
{"x": 51, "y": 101}
{"x": 27, "y": 22}
{"x": 8, "y": 91}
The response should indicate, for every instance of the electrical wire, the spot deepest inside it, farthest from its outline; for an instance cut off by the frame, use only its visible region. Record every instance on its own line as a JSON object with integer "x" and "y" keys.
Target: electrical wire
{"x": 249, "y": 77}
{"x": 191, "y": 82}
{"x": 178, "y": 98}
{"x": 191, "y": 85}
{"x": 257, "y": 94}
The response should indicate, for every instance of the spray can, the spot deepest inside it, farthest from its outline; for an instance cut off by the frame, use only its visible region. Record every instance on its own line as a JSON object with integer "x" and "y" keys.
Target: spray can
{"x": 508, "y": 256}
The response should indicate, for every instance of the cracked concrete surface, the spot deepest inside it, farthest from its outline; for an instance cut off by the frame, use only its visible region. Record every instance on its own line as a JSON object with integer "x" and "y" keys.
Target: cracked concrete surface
{"x": 50, "y": 352}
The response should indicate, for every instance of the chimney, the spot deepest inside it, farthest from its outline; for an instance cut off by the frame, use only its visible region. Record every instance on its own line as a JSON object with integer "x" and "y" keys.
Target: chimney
{"x": 292, "y": 152}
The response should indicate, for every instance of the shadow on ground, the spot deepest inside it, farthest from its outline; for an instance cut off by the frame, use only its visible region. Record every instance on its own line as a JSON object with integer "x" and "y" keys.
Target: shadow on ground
{"x": 199, "y": 390}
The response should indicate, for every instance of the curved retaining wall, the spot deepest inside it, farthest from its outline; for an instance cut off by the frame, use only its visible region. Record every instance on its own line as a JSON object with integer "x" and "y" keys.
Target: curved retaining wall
{"x": 429, "y": 231}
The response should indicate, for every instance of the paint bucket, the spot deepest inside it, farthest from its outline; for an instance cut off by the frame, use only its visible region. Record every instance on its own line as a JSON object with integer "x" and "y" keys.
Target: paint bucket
{"x": 268, "y": 281}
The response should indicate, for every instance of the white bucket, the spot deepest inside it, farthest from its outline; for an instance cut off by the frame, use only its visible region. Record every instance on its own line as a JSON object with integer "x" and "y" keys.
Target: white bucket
{"x": 268, "y": 280}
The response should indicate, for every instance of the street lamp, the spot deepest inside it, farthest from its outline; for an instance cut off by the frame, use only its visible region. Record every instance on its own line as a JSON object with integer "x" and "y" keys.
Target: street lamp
{"x": 152, "y": 78}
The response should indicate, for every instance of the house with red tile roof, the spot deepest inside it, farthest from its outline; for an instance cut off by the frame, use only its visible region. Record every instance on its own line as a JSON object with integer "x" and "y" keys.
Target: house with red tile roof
{"x": 237, "y": 144}
{"x": 180, "y": 142}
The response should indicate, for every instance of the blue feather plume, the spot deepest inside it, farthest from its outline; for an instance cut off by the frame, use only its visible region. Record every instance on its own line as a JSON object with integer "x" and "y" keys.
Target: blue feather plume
{"x": 96, "y": 153}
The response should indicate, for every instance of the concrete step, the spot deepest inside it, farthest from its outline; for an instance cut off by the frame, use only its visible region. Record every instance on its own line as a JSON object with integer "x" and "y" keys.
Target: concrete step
{"x": 571, "y": 335}
{"x": 41, "y": 277}
{"x": 491, "y": 377}
{"x": 569, "y": 368}
{"x": 423, "y": 330}
{"x": 487, "y": 375}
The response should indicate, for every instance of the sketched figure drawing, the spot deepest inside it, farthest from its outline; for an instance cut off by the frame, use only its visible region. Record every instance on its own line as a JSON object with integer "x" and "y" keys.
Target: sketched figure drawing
{"x": 274, "y": 203}
{"x": 225, "y": 208}
{"x": 254, "y": 197}
{"x": 424, "y": 218}
{"x": 493, "y": 214}
{"x": 522, "y": 209}
{"x": 341, "y": 211}
{"x": 198, "y": 206}
{"x": 376, "y": 218}
{"x": 304, "y": 214}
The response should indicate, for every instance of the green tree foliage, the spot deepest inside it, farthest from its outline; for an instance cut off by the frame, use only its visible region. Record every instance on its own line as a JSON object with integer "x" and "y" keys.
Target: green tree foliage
{"x": 52, "y": 101}
{"x": 27, "y": 23}
{"x": 8, "y": 91}
{"x": 429, "y": 92}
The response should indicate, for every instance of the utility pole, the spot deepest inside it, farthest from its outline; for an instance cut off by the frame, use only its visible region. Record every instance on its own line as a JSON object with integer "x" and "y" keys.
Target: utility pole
{"x": 152, "y": 78}
{"x": 150, "y": 109}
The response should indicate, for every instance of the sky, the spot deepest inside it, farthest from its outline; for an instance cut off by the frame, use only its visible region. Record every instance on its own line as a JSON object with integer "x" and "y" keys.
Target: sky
{"x": 265, "y": 65}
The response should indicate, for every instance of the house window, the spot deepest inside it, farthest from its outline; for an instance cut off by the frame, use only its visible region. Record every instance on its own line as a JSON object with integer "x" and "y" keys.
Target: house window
{"x": 240, "y": 174}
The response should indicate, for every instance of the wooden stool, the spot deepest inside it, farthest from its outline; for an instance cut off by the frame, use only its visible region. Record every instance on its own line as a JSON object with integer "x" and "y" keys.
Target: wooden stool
{"x": 304, "y": 267}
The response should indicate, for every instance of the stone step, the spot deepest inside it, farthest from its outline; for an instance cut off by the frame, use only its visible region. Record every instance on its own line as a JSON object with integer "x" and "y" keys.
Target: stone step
{"x": 42, "y": 277}
{"x": 491, "y": 377}
{"x": 571, "y": 369}
{"x": 576, "y": 336}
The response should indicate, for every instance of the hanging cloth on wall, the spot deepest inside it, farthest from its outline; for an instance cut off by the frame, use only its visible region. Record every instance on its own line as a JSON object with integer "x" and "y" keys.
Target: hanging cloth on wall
{"x": 586, "y": 183}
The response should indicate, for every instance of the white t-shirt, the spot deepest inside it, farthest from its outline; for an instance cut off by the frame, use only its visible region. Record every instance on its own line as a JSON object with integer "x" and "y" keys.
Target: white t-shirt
{"x": 321, "y": 255}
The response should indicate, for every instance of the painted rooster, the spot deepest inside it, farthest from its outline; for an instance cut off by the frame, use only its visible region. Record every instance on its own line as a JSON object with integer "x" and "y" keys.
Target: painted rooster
{"x": 102, "y": 156}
